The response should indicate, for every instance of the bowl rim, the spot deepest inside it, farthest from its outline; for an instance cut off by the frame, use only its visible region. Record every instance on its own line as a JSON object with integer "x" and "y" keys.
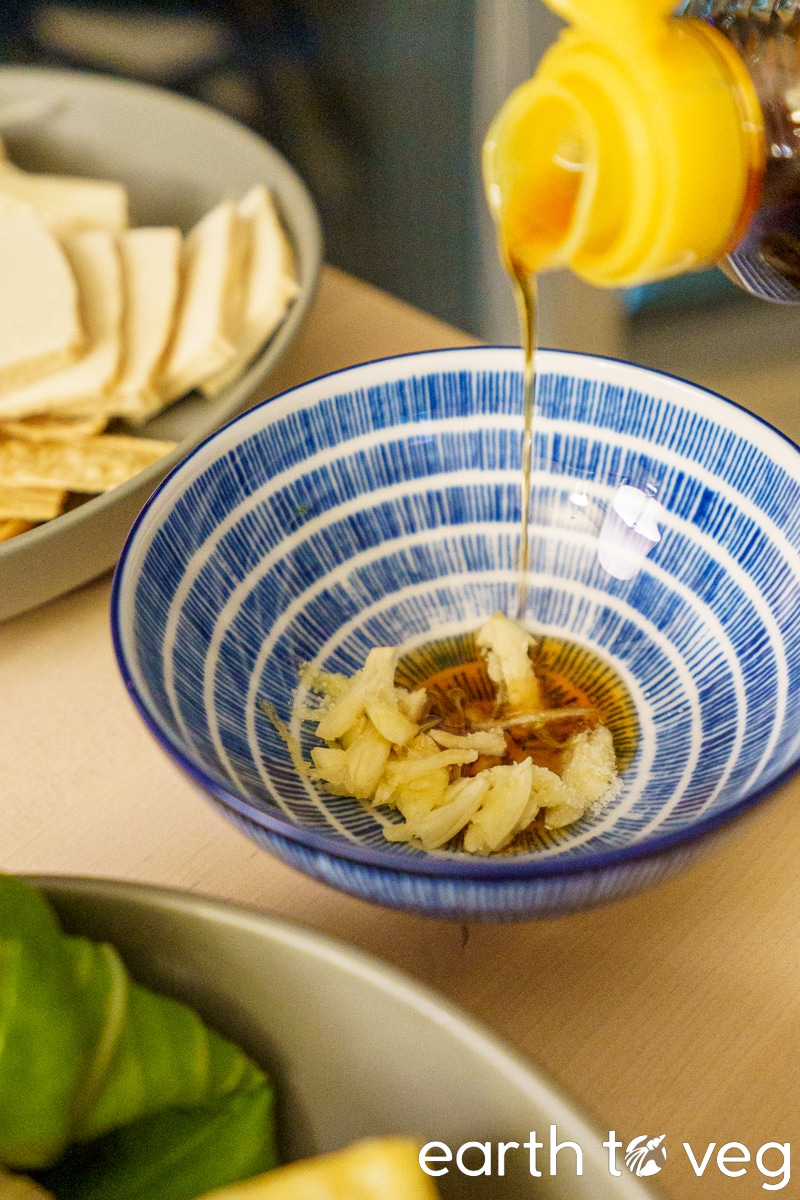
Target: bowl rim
{"x": 475, "y": 1035}
{"x": 497, "y": 868}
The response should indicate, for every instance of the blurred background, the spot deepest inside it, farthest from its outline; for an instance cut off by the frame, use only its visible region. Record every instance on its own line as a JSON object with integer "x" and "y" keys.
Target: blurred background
{"x": 382, "y": 105}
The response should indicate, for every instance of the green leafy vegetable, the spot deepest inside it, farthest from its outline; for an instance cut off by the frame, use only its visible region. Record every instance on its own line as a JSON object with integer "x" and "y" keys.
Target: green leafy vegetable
{"x": 154, "y": 1105}
{"x": 173, "y": 1156}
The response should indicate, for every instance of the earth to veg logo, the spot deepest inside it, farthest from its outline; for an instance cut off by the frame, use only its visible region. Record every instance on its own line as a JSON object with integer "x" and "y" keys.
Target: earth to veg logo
{"x": 548, "y": 1154}
{"x": 646, "y": 1156}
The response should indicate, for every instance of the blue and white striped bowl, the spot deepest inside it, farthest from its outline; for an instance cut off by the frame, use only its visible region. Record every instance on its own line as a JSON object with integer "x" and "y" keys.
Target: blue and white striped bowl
{"x": 380, "y": 505}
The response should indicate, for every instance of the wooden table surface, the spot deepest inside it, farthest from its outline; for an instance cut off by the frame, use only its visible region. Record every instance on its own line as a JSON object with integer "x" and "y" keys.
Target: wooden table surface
{"x": 677, "y": 1011}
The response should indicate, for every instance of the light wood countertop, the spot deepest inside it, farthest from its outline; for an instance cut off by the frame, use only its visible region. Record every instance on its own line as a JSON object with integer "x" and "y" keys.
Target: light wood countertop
{"x": 674, "y": 1012}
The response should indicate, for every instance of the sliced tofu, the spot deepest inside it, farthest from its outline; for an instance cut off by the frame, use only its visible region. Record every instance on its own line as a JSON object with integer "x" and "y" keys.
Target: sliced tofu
{"x": 11, "y": 206}
{"x": 96, "y": 464}
{"x": 46, "y": 427}
{"x": 9, "y": 530}
{"x": 150, "y": 277}
{"x": 65, "y": 204}
{"x": 96, "y": 264}
{"x": 40, "y": 323}
{"x": 31, "y": 504}
{"x": 210, "y": 309}
{"x": 270, "y": 284}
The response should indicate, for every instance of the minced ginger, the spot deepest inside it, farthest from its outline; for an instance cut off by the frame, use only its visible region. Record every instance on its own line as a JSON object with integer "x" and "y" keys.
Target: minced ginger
{"x": 383, "y": 748}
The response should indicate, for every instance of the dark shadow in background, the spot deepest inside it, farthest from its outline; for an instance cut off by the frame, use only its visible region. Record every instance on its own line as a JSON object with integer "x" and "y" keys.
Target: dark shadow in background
{"x": 371, "y": 100}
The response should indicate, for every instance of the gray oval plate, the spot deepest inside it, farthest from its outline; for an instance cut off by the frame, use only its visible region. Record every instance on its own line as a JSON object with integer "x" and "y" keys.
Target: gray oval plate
{"x": 177, "y": 158}
{"x": 356, "y": 1049}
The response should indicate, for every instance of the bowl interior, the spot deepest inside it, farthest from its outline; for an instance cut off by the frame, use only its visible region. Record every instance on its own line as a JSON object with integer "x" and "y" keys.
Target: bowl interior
{"x": 381, "y": 506}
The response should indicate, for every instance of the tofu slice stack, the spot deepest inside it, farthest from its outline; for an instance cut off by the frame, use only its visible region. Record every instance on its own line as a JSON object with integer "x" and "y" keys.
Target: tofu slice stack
{"x": 209, "y": 319}
{"x": 40, "y": 323}
{"x": 95, "y": 261}
{"x": 269, "y": 288}
{"x": 151, "y": 277}
{"x": 100, "y": 321}
{"x": 64, "y": 204}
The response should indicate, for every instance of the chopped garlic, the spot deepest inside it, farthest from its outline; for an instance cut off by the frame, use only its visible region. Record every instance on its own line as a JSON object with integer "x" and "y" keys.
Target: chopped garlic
{"x": 404, "y": 770}
{"x": 431, "y": 782}
{"x": 548, "y": 790}
{"x": 491, "y": 743}
{"x": 505, "y": 646}
{"x": 589, "y": 777}
{"x": 420, "y": 796}
{"x": 411, "y": 704}
{"x": 388, "y": 718}
{"x": 375, "y": 681}
{"x": 494, "y": 825}
{"x": 590, "y": 765}
{"x": 441, "y": 826}
{"x": 331, "y": 765}
{"x": 367, "y": 756}
{"x": 376, "y": 752}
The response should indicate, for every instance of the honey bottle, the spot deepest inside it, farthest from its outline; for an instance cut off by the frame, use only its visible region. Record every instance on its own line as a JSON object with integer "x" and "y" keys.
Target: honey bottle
{"x": 652, "y": 142}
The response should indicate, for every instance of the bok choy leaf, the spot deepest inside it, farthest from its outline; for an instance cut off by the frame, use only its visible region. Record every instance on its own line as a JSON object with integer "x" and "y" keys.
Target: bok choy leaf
{"x": 107, "y": 1089}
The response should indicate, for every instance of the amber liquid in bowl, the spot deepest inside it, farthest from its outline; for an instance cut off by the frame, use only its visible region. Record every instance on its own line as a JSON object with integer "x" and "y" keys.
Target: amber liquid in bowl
{"x": 462, "y": 696}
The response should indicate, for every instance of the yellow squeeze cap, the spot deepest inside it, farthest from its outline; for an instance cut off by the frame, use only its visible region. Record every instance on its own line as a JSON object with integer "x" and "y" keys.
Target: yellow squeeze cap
{"x": 633, "y": 154}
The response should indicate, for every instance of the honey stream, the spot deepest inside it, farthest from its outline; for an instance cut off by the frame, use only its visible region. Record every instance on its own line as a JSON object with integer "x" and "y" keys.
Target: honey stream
{"x": 453, "y": 672}
{"x": 525, "y": 296}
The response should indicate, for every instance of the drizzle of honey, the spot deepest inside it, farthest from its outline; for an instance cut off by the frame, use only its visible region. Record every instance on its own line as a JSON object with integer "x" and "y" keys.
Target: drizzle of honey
{"x": 461, "y": 695}
{"x": 525, "y": 295}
